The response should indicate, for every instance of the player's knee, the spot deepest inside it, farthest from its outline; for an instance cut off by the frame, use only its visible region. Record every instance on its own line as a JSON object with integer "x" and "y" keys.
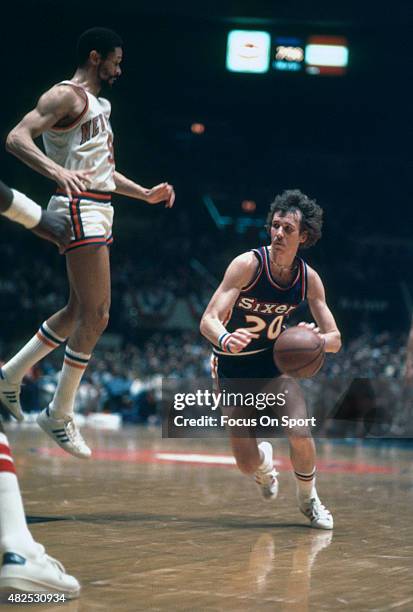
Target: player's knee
{"x": 70, "y": 312}
{"x": 299, "y": 436}
{"x": 95, "y": 319}
{"x": 102, "y": 318}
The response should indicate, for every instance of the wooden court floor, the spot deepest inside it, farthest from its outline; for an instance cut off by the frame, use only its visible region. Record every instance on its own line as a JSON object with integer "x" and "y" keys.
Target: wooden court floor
{"x": 152, "y": 524}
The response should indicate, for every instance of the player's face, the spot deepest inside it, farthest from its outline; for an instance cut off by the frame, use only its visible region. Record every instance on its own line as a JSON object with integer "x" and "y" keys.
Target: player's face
{"x": 109, "y": 68}
{"x": 286, "y": 235}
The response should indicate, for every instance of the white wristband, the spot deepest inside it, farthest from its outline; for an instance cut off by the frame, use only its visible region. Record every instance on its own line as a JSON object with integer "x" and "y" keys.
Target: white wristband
{"x": 23, "y": 210}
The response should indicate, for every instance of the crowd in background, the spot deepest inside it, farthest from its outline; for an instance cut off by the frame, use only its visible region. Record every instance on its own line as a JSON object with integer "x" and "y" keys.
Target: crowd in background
{"x": 127, "y": 379}
{"x": 125, "y": 374}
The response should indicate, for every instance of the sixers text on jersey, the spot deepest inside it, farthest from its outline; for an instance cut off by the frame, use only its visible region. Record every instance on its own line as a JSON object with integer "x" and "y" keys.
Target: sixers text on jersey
{"x": 263, "y": 305}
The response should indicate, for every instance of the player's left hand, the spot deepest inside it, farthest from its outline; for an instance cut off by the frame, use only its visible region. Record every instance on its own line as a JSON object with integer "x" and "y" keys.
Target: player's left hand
{"x": 164, "y": 192}
{"x": 311, "y": 326}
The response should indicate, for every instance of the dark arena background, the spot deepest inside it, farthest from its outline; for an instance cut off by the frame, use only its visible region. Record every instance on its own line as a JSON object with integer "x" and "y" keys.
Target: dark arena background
{"x": 166, "y": 524}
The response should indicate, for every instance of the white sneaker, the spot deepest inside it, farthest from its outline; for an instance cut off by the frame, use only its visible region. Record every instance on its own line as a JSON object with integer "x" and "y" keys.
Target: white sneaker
{"x": 42, "y": 574}
{"x": 318, "y": 515}
{"x": 266, "y": 475}
{"x": 10, "y": 397}
{"x": 65, "y": 433}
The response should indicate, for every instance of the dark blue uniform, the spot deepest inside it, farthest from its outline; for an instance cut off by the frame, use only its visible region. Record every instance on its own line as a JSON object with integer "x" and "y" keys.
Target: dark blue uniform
{"x": 261, "y": 308}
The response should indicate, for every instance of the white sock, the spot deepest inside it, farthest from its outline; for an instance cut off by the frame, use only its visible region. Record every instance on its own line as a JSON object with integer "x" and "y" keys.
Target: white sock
{"x": 73, "y": 369}
{"x": 38, "y": 347}
{"x": 14, "y": 532}
{"x": 305, "y": 484}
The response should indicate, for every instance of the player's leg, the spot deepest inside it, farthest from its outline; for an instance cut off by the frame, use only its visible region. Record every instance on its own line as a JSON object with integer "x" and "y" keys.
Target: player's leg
{"x": 25, "y": 566}
{"x": 64, "y": 321}
{"x": 89, "y": 276}
{"x": 246, "y": 453}
{"x": 303, "y": 459}
{"x": 236, "y": 376}
{"x": 50, "y": 335}
{"x": 256, "y": 460}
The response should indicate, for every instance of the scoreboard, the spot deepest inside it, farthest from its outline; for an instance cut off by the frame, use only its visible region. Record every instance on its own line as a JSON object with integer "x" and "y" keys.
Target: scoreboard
{"x": 256, "y": 51}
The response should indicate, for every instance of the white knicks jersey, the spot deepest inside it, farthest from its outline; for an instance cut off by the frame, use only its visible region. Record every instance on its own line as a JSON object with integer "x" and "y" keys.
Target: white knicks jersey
{"x": 86, "y": 143}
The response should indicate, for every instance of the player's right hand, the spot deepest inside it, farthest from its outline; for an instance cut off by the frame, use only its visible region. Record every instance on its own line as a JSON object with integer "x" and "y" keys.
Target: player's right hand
{"x": 54, "y": 227}
{"x": 72, "y": 181}
{"x": 239, "y": 340}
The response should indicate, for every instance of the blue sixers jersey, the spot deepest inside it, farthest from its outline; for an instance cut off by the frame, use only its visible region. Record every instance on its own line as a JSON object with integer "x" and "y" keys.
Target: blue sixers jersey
{"x": 263, "y": 305}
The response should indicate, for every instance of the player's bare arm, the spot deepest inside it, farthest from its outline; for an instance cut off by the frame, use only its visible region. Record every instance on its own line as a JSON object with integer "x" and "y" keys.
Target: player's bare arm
{"x": 164, "y": 192}
{"x": 326, "y": 325}
{"x": 21, "y": 209}
{"x": 238, "y": 275}
{"x": 57, "y": 104}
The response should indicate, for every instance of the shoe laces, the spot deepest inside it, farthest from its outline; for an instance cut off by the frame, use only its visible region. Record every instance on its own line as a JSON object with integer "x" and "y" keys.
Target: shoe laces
{"x": 72, "y": 431}
{"x": 56, "y": 563}
{"x": 316, "y": 509}
{"x": 265, "y": 478}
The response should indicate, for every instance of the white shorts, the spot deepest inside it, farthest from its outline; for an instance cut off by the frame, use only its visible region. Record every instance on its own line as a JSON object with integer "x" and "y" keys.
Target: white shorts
{"x": 91, "y": 216}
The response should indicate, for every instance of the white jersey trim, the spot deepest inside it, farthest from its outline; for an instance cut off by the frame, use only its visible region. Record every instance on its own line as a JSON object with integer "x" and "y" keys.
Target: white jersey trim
{"x": 75, "y": 122}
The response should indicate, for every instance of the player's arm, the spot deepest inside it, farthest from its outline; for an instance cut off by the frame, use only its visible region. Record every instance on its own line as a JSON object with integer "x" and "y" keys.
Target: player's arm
{"x": 164, "y": 192}
{"x": 57, "y": 103}
{"x": 21, "y": 209}
{"x": 326, "y": 325}
{"x": 239, "y": 273}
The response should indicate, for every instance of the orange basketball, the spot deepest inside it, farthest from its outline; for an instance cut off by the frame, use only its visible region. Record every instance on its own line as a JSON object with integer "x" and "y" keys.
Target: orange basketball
{"x": 299, "y": 352}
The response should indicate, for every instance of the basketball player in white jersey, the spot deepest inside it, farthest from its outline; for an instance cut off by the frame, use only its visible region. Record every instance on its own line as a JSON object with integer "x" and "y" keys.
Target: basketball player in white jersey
{"x": 25, "y": 564}
{"x": 78, "y": 139}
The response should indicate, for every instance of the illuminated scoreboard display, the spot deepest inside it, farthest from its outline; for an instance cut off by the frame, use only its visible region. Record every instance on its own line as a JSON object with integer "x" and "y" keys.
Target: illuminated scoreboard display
{"x": 260, "y": 52}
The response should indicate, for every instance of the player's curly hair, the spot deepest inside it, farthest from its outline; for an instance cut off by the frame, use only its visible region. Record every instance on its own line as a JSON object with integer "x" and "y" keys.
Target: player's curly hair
{"x": 292, "y": 200}
{"x": 101, "y": 40}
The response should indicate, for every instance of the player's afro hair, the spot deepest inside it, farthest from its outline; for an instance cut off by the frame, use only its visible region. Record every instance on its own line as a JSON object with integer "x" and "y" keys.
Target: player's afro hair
{"x": 101, "y": 40}
{"x": 292, "y": 200}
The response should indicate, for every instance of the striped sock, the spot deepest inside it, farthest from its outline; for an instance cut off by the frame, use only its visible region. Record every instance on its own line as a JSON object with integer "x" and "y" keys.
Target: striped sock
{"x": 14, "y": 533}
{"x": 38, "y": 347}
{"x": 74, "y": 366}
{"x": 305, "y": 484}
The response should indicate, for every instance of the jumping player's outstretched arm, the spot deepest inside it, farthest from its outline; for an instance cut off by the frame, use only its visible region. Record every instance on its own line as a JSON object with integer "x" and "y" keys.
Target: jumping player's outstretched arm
{"x": 60, "y": 102}
{"x": 326, "y": 325}
{"x": 160, "y": 193}
{"x": 238, "y": 275}
{"x": 21, "y": 209}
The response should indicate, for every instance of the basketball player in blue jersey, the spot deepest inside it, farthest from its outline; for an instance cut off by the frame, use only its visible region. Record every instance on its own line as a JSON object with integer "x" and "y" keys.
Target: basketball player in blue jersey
{"x": 78, "y": 139}
{"x": 243, "y": 320}
{"x": 25, "y": 564}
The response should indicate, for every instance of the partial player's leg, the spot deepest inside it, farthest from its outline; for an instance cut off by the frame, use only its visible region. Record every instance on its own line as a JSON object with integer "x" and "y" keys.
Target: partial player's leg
{"x": 303, "y": 459}
{"x": 256, "y": 459}
{"x": 64, "y": 320}
{"x": 50, "y": 335}
{"x": 234, "y": 375}
{"x": 89, "y": 277}
{"x": 25, "y": 565}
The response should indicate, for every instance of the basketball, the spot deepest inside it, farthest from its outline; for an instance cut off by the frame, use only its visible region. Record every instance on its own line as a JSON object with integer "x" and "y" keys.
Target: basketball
{"x": 299, "y": 352}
